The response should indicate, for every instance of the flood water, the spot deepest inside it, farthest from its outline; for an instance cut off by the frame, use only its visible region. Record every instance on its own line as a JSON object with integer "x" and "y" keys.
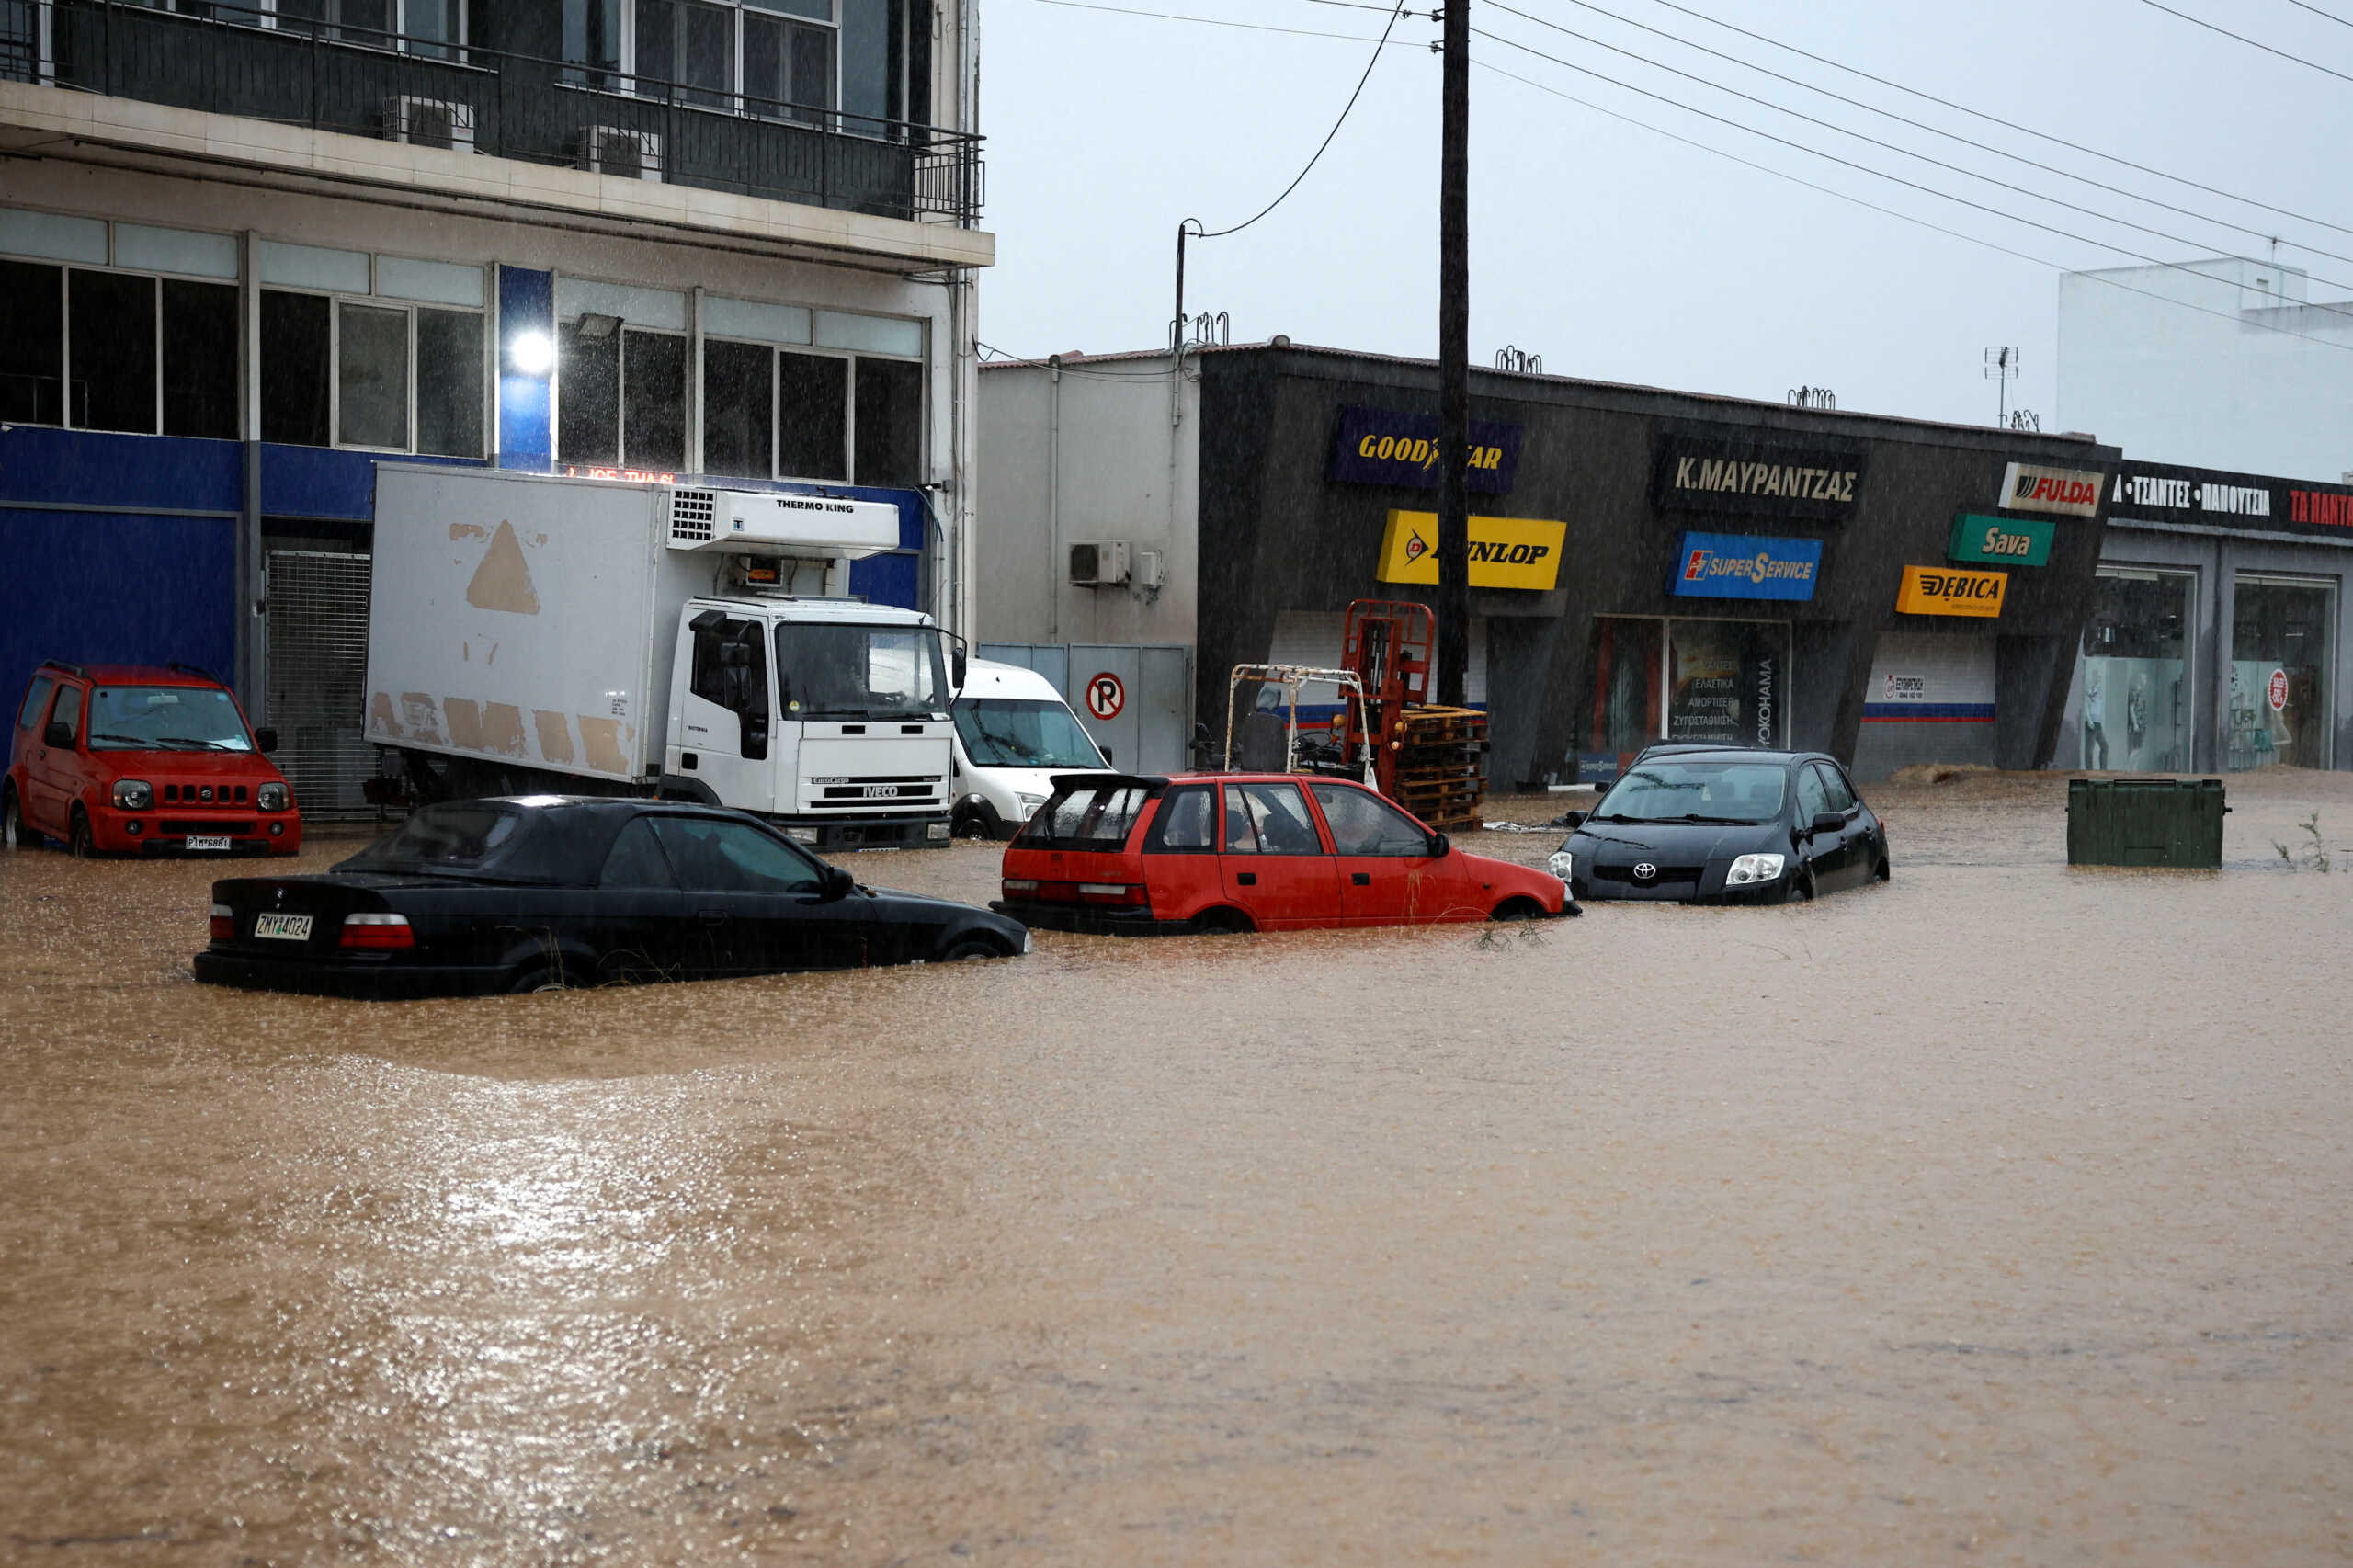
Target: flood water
{"x": 2002, "y": 1213}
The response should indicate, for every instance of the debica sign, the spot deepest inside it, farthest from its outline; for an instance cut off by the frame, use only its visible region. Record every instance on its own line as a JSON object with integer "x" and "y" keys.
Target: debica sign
{"x": 1744, "y": 566}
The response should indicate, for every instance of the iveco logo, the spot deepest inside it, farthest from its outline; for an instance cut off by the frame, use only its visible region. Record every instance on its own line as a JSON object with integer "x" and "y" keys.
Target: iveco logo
{"x": 1645, "y": 871}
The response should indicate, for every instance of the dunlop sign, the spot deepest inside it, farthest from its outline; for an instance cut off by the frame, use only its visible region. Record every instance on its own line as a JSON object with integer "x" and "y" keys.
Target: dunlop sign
{"x": 1506, "y": 552}
{"x": 2063, "y": 491}
{"x": 2000, "y": 541}
{"x": 1944, "y": 590}
{"x": 1762, "y": 478}
{"x": 1382, "y": 445}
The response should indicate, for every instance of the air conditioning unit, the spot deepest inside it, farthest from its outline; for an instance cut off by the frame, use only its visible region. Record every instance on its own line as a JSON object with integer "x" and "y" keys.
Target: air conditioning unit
{"x": 1099, "y": 563}
{"x": 770, "y": 523}
{"x": 430, "y": 123}
{"x": 617, "y": 150}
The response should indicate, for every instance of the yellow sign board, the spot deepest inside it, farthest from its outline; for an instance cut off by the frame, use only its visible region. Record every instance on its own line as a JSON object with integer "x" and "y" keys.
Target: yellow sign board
{"x": 1506, "y": 552}
{"x": 1946, "y": 590}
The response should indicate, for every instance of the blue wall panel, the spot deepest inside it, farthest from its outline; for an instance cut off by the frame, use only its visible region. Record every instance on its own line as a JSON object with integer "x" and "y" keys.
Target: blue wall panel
{"x": 89, "y": 469}
{"x": 93, "y": 586}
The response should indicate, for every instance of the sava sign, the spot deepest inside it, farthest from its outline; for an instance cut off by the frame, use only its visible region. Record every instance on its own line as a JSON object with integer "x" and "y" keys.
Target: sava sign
{"x": 1758, "y": 477}
{"x": 1382, "y": 445}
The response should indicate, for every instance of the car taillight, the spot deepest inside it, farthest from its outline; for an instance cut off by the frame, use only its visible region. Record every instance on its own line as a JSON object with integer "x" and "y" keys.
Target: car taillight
{"x": 1018, "y": 885}
{"x": 376, "y": 931}
{"x": 1111, "y": 892}
{"x": 224, "y": 923}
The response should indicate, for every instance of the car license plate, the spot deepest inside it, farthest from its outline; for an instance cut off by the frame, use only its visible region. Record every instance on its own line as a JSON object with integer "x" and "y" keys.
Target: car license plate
{"x": 208, "y": 841}
{"x": 283, "y": 927}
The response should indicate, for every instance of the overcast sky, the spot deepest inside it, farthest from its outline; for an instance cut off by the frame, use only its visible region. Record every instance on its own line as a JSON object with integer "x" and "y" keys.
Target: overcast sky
{"x": 1611, "y": 250}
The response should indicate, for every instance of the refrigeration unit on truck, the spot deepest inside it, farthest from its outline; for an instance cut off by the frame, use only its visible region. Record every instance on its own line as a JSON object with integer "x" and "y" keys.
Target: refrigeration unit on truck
{"x": 580, "y": 636}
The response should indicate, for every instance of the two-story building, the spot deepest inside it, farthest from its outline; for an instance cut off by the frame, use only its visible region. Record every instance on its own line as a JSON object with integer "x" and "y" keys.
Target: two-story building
{"x": 248, "y": 250}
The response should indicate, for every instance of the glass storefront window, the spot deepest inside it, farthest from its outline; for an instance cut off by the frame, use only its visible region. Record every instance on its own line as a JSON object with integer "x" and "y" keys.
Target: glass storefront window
{"x": 2282, "y": 640}
{"x": 2135, "y": 672}
{"x": 1684, "y": 680}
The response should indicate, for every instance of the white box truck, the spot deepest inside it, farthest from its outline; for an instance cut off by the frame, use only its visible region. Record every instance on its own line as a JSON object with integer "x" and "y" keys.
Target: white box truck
{"x": 528, "y": 633}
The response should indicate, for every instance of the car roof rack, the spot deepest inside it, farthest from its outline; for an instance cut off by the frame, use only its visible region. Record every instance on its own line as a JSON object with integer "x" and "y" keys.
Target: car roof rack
{"x": 62, "y": 664}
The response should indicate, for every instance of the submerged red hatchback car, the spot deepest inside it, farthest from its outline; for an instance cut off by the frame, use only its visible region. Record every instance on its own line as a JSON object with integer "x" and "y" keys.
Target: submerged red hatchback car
{"x": 1135, "y": 853}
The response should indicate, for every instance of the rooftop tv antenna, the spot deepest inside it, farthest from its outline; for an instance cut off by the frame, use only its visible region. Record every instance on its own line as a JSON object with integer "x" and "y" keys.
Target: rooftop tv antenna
{"x": 2002, "y": 364}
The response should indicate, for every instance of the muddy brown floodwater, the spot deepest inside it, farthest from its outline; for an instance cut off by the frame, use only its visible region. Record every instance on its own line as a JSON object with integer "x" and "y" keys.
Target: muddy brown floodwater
{"x": 2003, "y": 1213}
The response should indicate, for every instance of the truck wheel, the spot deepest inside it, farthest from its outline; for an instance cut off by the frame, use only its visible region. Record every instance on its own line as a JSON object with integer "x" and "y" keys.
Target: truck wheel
{"x": 971, "y": 824}
{"x": 79, "y": 842}
{"x": 14, "y": 832}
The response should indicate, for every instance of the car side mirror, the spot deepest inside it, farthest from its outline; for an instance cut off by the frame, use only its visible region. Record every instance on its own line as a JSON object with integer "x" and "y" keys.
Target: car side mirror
{"x": 755, "y": 738}
{"x": 1573, "y": 819}
{"x": 958, "y": 666}
{"x": 1828, "y": 821}
{"x": 1440, "y": 845}
{"x": 266, "y": 739}
{"x": 59, "y": 736}
{"x": 1107, "y": 756}
{"x": 838, "y": 882}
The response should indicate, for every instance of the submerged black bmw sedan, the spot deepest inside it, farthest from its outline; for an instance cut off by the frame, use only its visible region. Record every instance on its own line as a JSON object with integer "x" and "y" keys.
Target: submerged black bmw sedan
{"x": 542, "y": 892}
{"x": 1701, "y": 825}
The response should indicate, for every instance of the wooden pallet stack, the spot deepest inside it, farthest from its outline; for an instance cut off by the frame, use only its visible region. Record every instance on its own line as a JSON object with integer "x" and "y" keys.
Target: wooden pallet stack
{"x": 1442, "y": 766}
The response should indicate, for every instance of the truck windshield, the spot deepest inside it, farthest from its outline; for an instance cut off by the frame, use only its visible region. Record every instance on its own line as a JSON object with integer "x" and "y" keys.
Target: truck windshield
{"x": 833, "y": 671}
{"x": 1006, "y": 732}
{"x": 165, "y": 718}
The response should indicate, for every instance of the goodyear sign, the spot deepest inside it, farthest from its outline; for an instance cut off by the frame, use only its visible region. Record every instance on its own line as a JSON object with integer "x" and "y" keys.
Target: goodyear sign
{"x": 2063, "y": 491}
{"x": 1506, "y": 552}
{"x": 2000, "y": 541}
{"x": 1382, "y": 445}
{"x": 1946, "y": 590}
{"x": 1744, "y": 566}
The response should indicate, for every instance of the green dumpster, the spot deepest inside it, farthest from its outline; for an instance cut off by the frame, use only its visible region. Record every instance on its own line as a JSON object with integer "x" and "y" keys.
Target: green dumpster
{"x": 2145, "y": 822}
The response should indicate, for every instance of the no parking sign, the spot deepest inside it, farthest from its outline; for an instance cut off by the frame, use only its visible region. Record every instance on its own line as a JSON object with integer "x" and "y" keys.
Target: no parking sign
{"x": 2278, "y": 692}
{"x": 1106, "y": 697}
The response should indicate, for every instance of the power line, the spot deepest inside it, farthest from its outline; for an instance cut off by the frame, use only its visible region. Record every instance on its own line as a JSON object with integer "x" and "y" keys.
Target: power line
{"x": 2251, "y": 43}
{"x": 1893, "y": 213}
{"x": 1864, "y": 168}
{"x": 1216, "y": 21}
{"x": 2006, "y": 124}
{"x": 1345, "y": 111}
{"x": 1904, "y": 120}
{"x": 1157, "y": 378}
{"x": 1859, "y": 136}
{"x": 2316, "y": 11}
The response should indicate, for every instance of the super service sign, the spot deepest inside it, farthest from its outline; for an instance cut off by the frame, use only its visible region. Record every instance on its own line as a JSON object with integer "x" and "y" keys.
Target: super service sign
{"x": 1744, "y": 566}
{"x": 1382, "y": 445}
{"x": 1506, "y": 552}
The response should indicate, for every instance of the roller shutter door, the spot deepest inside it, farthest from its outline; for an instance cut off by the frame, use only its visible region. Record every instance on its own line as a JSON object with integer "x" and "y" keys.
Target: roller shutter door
{"x": 1931, "y": 700}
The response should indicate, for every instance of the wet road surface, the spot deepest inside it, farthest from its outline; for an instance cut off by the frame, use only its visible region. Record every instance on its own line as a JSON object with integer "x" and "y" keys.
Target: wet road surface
{"x": 2001, "y": 1213}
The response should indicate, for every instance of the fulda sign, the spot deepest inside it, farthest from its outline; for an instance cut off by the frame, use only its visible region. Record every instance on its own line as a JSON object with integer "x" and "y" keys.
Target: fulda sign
{"x": 2062, "y": 492}
{"x": 1382, "y": 445}
{"x": 1934, "y": 590}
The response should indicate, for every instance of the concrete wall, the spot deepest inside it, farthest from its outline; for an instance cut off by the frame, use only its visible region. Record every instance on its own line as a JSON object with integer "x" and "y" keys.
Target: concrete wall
{"x": 2223, "y": 366}
{"x": 1088, "y": 451}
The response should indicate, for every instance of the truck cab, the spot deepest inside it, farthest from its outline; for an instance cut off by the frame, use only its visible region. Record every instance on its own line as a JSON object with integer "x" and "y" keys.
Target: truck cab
{"x": 830, "y": 715}
{"x": 1014, "y": 733}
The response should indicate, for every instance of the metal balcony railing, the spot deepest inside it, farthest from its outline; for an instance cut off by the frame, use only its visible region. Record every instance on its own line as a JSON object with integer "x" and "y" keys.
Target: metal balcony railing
{"x": 236, "y": 60}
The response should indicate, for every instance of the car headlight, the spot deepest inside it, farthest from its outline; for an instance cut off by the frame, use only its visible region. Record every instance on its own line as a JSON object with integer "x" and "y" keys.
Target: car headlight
{"x": 272, "y": 797}
{"x": 133, "y": 794}
{"x": 1030, "y": 803}
{"x": 1750, "y": 869}
{"x": 1562, "y": 865}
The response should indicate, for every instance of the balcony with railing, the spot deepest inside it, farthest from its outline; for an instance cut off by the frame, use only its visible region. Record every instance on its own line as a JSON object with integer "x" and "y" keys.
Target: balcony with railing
{"x": 238, "y": 61}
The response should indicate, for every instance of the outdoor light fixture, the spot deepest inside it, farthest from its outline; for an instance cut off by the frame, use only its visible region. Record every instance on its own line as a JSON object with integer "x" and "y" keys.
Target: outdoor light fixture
{"x": 531, "y": 352}
{"x": 596, "y": 328}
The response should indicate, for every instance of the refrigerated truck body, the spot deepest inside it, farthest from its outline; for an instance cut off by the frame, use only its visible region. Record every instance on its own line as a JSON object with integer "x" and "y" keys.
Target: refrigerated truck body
{"x": 585, "y": 636}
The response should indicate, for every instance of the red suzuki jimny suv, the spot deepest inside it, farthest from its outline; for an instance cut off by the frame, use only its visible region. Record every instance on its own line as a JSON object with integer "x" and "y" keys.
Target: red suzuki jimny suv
{"x": 129, "y": 760}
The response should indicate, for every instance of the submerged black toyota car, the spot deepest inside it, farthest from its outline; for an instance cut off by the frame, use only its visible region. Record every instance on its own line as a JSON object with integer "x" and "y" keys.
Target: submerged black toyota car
{"x": 545, "y": 891}
{"x": 1701, "y": 825}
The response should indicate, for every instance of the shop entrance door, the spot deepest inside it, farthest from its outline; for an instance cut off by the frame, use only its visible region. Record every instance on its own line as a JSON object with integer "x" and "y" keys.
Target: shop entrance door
{"x": 1722, "y": 681}
{"x": 2133, "y": 674}
{"x": 2283, "y": 641}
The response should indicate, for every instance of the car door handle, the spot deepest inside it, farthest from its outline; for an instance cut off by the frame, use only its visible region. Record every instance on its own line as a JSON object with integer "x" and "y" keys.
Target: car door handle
{"x": 1361, "y": 878}
{"x": 1247, "y": 878}
{"x": 712, "y": 916}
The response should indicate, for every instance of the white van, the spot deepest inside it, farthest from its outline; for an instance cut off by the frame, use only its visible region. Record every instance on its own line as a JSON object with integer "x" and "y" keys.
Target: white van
{"x": 1014, "y": 733}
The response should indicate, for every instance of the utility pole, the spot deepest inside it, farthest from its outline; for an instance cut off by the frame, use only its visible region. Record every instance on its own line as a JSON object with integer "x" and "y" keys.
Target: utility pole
{"x": 1454, "y": 359}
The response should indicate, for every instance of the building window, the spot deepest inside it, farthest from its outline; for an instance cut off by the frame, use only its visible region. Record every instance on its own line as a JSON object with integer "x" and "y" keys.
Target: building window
{"x": 32, "y": 343}
{"x": 2135, "y": 676}
{"x": 110, "y": 342}
{"x": 589, "y": 386}
{"x": 812, "y": 417}
{"x": 355, "y": 374}
{"x": 419, "y": 27}
{"x": 739, "y": 410}
{"x": 799, "y": 59}
{"x": 201, "y": 360}
{"x": 653, "y": 400}
{"x": 2282, "y": 652}
{"x": 297, "y": 366}
{"x": 888, "y": 423}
